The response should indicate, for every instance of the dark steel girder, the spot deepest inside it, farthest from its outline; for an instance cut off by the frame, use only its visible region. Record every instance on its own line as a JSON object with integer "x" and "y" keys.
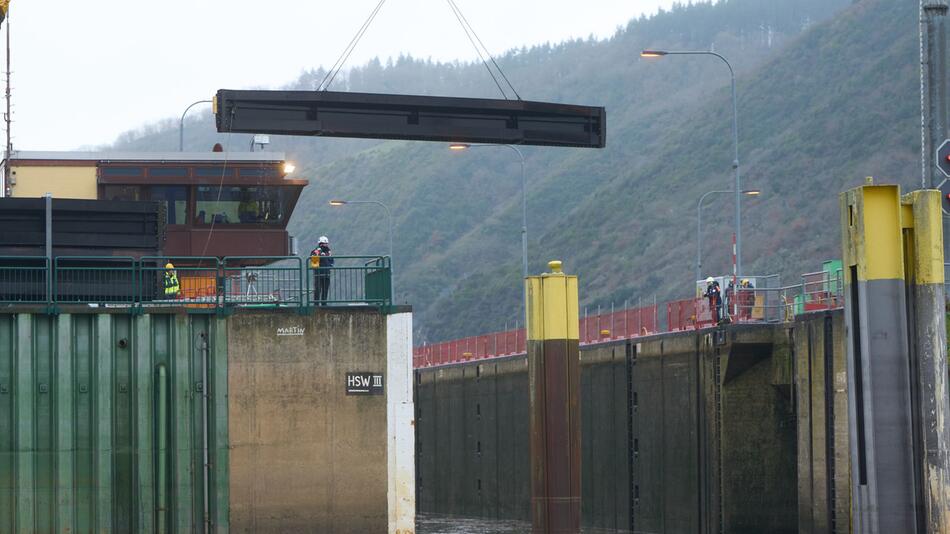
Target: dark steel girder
{"x": 410, "y": 117}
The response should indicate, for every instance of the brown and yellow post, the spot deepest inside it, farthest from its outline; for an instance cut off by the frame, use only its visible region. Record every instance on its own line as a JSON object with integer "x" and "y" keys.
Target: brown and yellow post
{"x": 554, "y": 381}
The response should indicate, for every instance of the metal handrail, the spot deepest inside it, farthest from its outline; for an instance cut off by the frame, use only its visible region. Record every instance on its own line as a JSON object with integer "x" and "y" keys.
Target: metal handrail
{"x": 135, "y": 283}
{"x": 92, "y": 276}
{"x": 16, "y": 288}
{"x": 686, "y": 311}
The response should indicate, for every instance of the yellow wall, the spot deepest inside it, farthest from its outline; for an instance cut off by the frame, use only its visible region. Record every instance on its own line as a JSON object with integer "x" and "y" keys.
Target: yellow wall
{"x": 62, "y": 182}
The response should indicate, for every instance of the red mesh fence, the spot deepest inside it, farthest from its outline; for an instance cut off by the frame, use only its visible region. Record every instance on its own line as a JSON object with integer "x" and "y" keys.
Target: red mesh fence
{"x": 623, "y": 324}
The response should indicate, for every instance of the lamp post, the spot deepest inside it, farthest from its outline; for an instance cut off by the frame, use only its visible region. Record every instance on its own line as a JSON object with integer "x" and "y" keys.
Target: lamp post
{"x": 524, "y": 199}
{"x": 699, "y": 226}
{"x": 181, "y": 123}
{"x": 735, "y": 134}
{"x": 389, "y": 213}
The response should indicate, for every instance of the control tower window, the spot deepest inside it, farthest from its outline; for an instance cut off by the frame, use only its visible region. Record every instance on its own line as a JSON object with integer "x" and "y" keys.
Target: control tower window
{"x": 240, "y": 205}
{"x": 123, "y": 192}
{"x": 176, "y": 199}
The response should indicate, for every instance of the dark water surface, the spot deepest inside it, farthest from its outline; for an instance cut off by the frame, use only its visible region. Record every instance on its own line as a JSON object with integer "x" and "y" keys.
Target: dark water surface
{"x": 442, "y": 524}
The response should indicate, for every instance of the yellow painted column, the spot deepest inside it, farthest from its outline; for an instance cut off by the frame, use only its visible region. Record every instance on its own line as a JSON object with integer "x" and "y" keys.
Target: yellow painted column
{"x": 925, "y": 278}
{"x": 554, "y": 381}
{"x": 897, "y": 371}
{"x": 883, "y": 496}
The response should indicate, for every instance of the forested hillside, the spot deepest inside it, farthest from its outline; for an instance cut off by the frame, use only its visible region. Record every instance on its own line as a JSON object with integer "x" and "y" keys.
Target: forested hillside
{"x": 827, "y": 96}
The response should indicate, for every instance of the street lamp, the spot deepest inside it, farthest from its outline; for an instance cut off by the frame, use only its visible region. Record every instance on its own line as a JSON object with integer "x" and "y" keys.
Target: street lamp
{"x": 459, "y": 147}
{"x": 699, "y": 226}
{"x": 181, "y": 124}
{"x": 389, "y": 213}
{"x": 735, "y": 134}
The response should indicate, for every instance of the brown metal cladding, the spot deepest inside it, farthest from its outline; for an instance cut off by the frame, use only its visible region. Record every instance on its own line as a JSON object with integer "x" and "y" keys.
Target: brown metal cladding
{"x": 554, "y": 378}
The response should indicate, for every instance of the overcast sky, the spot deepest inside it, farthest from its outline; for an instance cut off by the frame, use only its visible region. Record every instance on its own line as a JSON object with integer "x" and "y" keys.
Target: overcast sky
{"x": 84, "y": 72}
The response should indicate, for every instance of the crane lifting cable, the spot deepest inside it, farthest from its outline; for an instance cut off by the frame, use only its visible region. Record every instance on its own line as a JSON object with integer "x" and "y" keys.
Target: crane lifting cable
{"x": 345, "y": 55}
{"x": 470, "y": 32}
{"x": 480, "y": 49}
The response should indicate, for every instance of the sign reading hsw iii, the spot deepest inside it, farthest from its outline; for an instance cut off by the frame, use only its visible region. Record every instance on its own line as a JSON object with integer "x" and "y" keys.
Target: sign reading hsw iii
{"x": 364, "y": 383}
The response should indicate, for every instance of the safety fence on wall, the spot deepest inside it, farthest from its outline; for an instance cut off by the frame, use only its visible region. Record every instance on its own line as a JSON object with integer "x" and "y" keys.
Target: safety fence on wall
{"x": 762, "y": 300}
{"x": 600, "y": 328}
{"x": 194, "y": 282}
{"x": 822, "y": 290}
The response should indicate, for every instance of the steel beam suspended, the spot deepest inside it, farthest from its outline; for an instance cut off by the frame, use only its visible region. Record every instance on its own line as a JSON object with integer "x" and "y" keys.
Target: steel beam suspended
{"x": 410, "y": 117}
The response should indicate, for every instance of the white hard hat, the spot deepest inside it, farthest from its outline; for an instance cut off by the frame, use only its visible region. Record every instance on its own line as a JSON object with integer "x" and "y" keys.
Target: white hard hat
{"x": 323, "y": 239}
{"x": 710, "y": 280}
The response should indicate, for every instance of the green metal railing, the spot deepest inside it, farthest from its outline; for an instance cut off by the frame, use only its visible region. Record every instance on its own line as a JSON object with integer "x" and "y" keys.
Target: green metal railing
{"x": 25, "y": 280}
{"x": 204, "y": 283}
{"x": 280, "y": 282}
{"x": 197, "y": 280}
{"x": 351, "y": 281}
{"x": 94, "y": 280}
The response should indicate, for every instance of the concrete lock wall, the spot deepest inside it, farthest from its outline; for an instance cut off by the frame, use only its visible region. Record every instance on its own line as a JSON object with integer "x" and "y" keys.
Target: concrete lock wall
{"x": 686, "y": 432}
{"x": 306, "y": 455}
{"x": 819, "y": 354}
{"x": 101, "y": 422}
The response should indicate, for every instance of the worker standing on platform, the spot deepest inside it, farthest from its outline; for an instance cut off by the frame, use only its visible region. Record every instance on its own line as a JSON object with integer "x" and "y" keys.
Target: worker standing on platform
{"x": 170, "y": 282}
{"x": 321, "y": 260}
{"x": 729, "y": 300}
{"x": 746, "y": 298}
{"x": 714, "y": 295}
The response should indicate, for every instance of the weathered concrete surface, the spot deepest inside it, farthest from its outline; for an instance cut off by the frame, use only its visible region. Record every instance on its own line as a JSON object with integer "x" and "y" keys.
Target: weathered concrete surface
{"x": 305, "y": 457}
{"x": 757, "y": 437}
{"x": 820, "y": 358}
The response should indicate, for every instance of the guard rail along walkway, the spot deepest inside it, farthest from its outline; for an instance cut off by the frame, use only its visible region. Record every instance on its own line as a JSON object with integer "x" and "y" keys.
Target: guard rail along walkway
{"x": 822, "y": 290}
{"x": 206, "y": 284}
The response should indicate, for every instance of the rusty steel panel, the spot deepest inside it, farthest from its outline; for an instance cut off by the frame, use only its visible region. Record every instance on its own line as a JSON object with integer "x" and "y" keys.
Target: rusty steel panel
{"x": 554, "y": 375}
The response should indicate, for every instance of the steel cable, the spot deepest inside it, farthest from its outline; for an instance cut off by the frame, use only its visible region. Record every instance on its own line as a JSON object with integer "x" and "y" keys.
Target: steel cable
{"x": 460, "y": 18}
{"x": 485, "y": 48}
{"x": 224, "y": 169}
{"x": 345, "y": 55}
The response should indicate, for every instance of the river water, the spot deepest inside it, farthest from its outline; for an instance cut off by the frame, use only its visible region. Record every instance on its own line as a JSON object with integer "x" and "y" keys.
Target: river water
{"x": 440, "y": 524}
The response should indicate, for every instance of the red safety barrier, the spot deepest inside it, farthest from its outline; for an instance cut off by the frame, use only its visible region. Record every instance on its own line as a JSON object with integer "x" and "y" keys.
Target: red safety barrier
{"x": 681, "y": 314}
{"x": 689, "y": 314}
{"x": 623, "y": 324}
{"x": 819, "y": 291}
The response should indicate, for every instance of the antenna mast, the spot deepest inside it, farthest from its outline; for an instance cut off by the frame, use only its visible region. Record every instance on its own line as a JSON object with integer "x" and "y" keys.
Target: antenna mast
{"x": 4, "y": 190}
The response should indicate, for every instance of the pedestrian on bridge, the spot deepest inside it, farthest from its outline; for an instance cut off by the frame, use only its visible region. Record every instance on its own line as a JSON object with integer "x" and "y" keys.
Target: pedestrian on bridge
{"x": 321, "y": 260}
{"x": 746, "y": 299}
{"x": 714, "y": 294}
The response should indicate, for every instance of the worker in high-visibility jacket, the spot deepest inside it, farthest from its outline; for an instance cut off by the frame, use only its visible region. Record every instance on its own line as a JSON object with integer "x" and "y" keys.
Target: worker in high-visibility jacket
{"x": 321, "y": 260}
{"x": 170, "y": 282}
